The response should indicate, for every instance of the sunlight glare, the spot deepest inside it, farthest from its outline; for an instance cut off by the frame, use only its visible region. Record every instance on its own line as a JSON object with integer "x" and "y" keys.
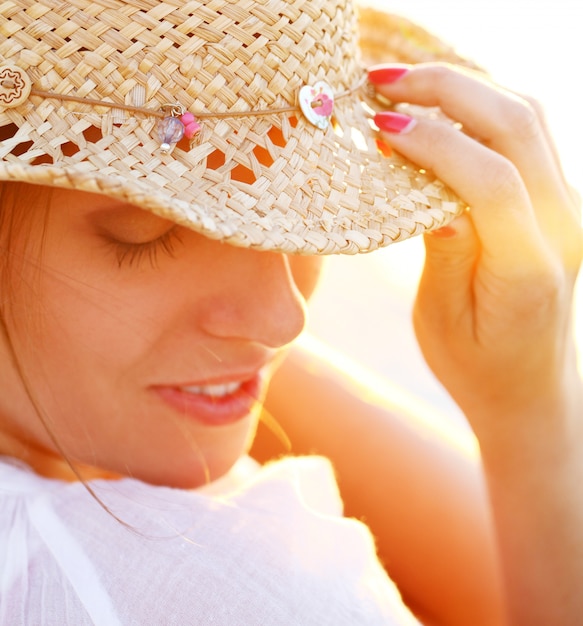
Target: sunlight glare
{"x": 535, "y": 47}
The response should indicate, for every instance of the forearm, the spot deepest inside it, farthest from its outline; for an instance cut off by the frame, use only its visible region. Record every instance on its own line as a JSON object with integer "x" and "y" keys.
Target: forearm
{"x": 493, "y": 319}
{"x": 417, "y": 487}
{"x": 534, "y": 470}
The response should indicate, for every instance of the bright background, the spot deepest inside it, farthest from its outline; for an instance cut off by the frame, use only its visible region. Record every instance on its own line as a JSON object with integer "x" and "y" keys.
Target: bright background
{"x": 364, "y": 304}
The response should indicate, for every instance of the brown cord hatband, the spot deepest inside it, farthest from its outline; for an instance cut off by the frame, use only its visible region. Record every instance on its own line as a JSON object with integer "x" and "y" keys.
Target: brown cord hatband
{"x": 161, "y": 113}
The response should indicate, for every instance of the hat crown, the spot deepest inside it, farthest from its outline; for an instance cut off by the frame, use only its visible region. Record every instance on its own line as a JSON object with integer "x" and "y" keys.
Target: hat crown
{"x": 249, "y": 121}
{"x": 216, "y": 55}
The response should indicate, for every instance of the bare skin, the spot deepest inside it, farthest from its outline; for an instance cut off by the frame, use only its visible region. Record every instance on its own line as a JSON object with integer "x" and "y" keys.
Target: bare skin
{"x": 105, "y": 319}
{"x": 501, "y": 340}
{"x": 492, "y": 317}
{"x": 420, "y": 490}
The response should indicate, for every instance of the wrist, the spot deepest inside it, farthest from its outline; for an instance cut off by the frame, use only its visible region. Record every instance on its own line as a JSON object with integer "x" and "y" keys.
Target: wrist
{"x": 544, "y": 426}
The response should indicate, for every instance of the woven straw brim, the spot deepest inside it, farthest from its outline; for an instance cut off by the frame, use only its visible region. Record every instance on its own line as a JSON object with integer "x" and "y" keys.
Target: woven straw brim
{"x": 273, "y": 182}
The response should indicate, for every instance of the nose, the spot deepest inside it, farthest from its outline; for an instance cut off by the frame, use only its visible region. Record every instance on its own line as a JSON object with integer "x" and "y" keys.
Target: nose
{"x": 253, "y": 297}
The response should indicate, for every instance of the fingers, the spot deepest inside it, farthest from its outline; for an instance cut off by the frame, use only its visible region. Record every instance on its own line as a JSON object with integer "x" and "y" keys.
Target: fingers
{"x": 538, "y": 109}
{"x": 451, "y": 254}
{"x": 500, "y": 119}
{"x": 509, "y": 124}
{"x": 513, "y": 168}
{"x": 487, "y": 181}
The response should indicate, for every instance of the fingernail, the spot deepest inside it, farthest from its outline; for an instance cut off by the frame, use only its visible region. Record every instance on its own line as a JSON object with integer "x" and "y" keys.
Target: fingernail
{"x": 384, "y": 148}
{"x": 396, "y": 123}
{"x": 444, "y": 232}
{"x": 385, "y": 74}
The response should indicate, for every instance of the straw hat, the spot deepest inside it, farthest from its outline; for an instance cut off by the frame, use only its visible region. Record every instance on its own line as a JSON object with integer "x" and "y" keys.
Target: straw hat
{"x": 249, "y": 121}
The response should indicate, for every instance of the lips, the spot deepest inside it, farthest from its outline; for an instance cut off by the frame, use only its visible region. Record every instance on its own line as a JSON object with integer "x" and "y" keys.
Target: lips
{"x": 216, "y": 404}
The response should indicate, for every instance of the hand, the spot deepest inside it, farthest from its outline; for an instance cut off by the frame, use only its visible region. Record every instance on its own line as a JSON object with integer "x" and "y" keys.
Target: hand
{"x": 493, "y": 310}
{"x": 493, "y": 318}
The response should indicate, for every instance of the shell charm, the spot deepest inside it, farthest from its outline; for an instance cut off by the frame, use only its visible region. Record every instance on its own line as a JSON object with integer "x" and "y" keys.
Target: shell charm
{"x": 15, "y": 86}
{"x": 317, "y": 103}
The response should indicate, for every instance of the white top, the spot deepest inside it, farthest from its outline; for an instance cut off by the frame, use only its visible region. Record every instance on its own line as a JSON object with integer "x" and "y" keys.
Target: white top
{"x": 273, "y": 550}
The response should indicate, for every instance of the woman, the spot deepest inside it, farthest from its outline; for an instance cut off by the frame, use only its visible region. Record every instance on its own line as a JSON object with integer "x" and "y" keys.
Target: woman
{"x": 137, "y": 345}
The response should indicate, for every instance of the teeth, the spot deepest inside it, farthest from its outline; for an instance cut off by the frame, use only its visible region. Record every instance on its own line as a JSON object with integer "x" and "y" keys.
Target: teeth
{"x": 216, "y": 391}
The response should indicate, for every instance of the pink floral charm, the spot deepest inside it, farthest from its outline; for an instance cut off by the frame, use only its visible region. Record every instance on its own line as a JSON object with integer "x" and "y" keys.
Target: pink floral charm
{"x": 317, "y": 103}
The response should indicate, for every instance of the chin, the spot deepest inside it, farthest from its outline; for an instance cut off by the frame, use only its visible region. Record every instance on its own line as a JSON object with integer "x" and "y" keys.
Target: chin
{"x": 190, "y": 475}
{"x": 194, "y": 469}
{"x": 182, "y": 459}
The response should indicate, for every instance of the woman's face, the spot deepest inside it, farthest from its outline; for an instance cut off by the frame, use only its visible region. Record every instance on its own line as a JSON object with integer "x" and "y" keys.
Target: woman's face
{"x": 146, "y": 346}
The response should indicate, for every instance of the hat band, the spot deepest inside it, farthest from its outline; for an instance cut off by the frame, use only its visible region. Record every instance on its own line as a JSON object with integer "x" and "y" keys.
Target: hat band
{"x": 315, "y": 102}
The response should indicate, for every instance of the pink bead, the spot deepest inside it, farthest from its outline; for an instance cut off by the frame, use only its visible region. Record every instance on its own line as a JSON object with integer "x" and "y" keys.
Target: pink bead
{"x": 191, "y": 126}
{"x": 187, "y": 118}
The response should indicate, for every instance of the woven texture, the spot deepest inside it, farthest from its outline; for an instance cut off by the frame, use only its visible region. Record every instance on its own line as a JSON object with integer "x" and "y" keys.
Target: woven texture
{"x": 273, "y": 182}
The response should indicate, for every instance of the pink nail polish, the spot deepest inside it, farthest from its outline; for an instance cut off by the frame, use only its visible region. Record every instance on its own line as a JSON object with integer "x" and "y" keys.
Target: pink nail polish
{"x": 445, "y": 232}
{"x": 385, "y": 74}
{"x": 396, "y": 123}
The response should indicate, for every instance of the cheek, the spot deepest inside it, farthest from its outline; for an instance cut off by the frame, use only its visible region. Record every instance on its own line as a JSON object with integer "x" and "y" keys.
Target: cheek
{"x": 306, "y": 272}
{"x": 76, "y": 335}
{"x": 99, "y": 338}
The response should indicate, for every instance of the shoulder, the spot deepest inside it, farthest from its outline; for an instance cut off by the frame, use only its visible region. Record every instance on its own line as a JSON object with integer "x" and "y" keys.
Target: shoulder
{"x": 273, "y": 549}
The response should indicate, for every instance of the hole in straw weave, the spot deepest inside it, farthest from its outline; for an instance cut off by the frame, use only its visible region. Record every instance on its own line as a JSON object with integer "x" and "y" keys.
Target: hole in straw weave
{"x": 243, "y": 174}
{"x": 276, "y": 137}
{"x": 44, "y": 159}
{"x": 92, "y": 134}
{"x": 263, "y": 156}
{"x": 8, "y": 131}
{"x": 215, "y": 160}
{"x": 26, "y": 146}
{"x": 69, "y": 149}
{"x": 184, "y": 144}
{"x": 21, "y": 148}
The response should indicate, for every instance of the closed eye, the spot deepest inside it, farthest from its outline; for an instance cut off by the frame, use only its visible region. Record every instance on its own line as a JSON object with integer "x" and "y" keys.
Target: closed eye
{"x": 132, "y": 254}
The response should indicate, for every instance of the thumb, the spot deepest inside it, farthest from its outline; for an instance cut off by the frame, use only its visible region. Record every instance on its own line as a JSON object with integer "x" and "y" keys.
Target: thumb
{"x": 446, "y": 286}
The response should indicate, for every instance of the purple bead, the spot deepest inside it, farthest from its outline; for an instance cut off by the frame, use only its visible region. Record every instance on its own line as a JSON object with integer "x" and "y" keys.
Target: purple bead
{"x": 170, "y": 130}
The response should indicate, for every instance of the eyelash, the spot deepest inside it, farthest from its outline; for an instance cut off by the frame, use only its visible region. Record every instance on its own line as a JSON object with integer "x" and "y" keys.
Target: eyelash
{"x": 133, "y": 254}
